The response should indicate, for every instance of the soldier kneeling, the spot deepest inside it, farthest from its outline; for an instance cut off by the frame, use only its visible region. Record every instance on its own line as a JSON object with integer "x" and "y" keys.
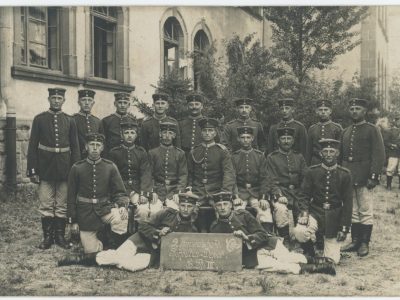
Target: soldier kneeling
{"x": 260, "y": 249}
{"x": 140, "y": 249}
{"x": 330, "y": 188}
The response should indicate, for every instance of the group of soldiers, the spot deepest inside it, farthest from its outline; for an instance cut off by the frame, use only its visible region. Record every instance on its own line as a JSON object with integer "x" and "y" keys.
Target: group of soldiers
{"x": 180, "y": 179}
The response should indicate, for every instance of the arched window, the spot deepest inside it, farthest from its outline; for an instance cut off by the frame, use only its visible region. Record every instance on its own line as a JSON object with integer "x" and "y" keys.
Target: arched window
{"x": 173, "y": 45}
{"x": 201, "y": 45}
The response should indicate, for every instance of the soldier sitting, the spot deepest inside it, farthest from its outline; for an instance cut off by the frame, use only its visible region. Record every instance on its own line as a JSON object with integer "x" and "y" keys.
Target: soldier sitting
{"x": 169, "y": 168}
{"x": 285, "y": 167}
{"x": 260, "y": 249}
{"x": 94, "y": 188}
{"x": 327, "y": 204}
{"x": 133, "y": 164}
{"x": 140, "y": 249}
{"x": 251, "y": 177}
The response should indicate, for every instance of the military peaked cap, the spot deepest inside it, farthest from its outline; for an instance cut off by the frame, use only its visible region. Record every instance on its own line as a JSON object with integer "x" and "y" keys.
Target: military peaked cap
{"x": 208, "y": 123}
{"x": 326, "y": 103}
{"x": 358, "y": 102}
{"x": 245, "y": 130}
{"x": 243, "y": 101}
{"x": 95, "y": 137}
{"x": 329, "y": 143}
{"x": 286, "y": 102}
{"x": 160, "y": 96}
{"x": 128, "y": 123}
{"x": 285, "y": 131}
{"x": 56, "y": 91}
{"x": 188, "y": 198}
{"x": 168, "y": 126}
{"x": 222, "y": 196}
{"x": 195, "y": 97}
{"x": 122, "y": 96}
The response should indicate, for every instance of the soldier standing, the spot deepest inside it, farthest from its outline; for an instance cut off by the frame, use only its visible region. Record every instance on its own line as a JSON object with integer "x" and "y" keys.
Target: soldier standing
{"x": 110, "y": 126}
{"x": 169, "y": 167}
{"x": 94, "y": 188}
{"x": 140, "y": 249}
{"x": 391, "y": 139}
{"x": 210, "y": 169}
{"x": 363, "y": 154}
{"x": 53, "y": 148}
{"x": 150, "y": 131}
{"x": 189, "y": 126}
{"x": 251, "y": 177}
{"x": 324, "y": 129}
{"x": 230, "y": 136}
{"x": 286, "y": 168}
{"x": 329, "y": 187}
{"x": 85, "y": 121}
{"x": 134, "y": 166}
{"x": 300, "y": 134}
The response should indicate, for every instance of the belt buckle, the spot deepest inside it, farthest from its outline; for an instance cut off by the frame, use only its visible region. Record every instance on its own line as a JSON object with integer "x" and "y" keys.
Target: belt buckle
{"x": 204, "y": 180}
{"x": 57, "y": 150}
{"x": 326, "y": 205}
{"x": 350, "y": 158}
{"x": 248, "y": 185}
{"x": 167, "y": 182}
{"x": 291, "y": 187}
{"x": 95, "y": 201}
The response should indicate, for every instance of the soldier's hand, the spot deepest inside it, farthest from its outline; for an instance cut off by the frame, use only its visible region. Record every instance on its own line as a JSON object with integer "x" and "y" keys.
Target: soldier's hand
{"x": 341, "y": 236}
{"x": 264, "y": 205}
{"x": 35, "y": 179}
{"x": 124, "y": 213}
{"x": 164, "y": 231}
{"x": 371, "y": 184}
{"x": 283, "y": 200}
{"x": 303, "y": 218}
{"x": 175, "y": 198}
{"x": 237, "y": 202}
{"x": 134, "y": 198}
{"x": 154, "y": 198}
{"x": 75, "y": 229}
{"x": 240, "y": 234}
{"x": 143, "y": 200}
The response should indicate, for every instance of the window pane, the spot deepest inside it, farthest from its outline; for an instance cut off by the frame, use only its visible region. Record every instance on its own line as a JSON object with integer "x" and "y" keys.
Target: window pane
{"x": 37, "y": 54}
{"x": 37, "y": 32}
{"x": 23, "y": 35}
{"x": 38, "y": 13}
{"x": 53, "y": 39}
{"x": 104, "y": 48}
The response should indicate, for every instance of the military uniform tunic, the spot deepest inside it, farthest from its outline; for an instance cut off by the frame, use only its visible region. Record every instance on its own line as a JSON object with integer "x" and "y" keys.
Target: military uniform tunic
{"x": 362, "y": 152}
{"x": 85, "y": 123}
{"x": 210, "y": 170}
{"x": 251, "y": 173}
{"x": 327, "y": 195}
{"x": 110, "y": 126}
{"x": 169, "y": 170}
{"x": 230, "y": 136}
{"x": 98, "y": 182}
{"x": 243, "y": 220}
{"x": 190, "y": 132}
{"x": 150, "y": 132}
{"x": 325, "y": 130}
{"x": 134, "y": 166}
{"x": 53, "y": 146}
{"x": 300, "y": 136}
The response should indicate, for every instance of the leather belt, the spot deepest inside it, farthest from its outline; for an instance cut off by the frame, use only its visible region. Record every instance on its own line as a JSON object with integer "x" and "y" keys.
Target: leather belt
{"x": 54, "y": 149}
{"x": 168, "y": 182}
{"x": 92, "y": 200}
{"x": 247, "y": 185}
{"x": 328, "y": 206}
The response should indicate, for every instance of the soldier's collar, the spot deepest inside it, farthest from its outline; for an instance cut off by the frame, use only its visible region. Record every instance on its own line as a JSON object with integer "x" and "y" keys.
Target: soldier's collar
{"x": 120, "y": 116}
{"x": 325, "y": 123}
{"x": 244, "y": 119}
{"x": 55, "y": 112}
{"x": 329, "y": 168}
{"x": 208, "y": 145}
{"x": 158, "y": 118}
{"x": 84, "y": 114}
{"x": 227, "y": 219}
{"x": 128, "y": 147}
{"x": 93, "y": 162}
{"x": 288, "y": 121}
{"x": 200, "y": 116}
{"x": 283, "y": 152}
{"x": 166, "y": 147}
{"x": 246, "y": 151}
{"x": 360, "y": 123}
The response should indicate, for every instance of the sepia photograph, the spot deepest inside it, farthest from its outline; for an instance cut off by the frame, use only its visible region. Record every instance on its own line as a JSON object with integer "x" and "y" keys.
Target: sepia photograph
{"x": 189, "y": 150}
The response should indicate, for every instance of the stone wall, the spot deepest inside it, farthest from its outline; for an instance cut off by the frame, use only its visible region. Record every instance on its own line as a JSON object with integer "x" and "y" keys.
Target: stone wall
{"x": 23, "y": 128}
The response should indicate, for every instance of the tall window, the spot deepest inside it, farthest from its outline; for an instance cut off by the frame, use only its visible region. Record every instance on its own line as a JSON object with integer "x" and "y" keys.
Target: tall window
{"x": 173, "y": 46}
{"x": 40, "y": 37}
{"x": 104, "y": 28}
{"x": 201, "y": 45}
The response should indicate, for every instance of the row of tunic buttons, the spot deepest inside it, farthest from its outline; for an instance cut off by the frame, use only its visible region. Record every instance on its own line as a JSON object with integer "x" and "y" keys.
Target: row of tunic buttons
{"x": 351, "y": 142}
{"x": 94, "y": 180}
{"x": 56, "y": 130}
{"x": 89, "y": 130}
{"x": 205, "y": 165}
{"x": 328, "y": 176}
{"x": 129, "y": 167}
{"x": 193, "y": 133}
{"x": 166, "y": 165}
{"x": 247, "y": 166}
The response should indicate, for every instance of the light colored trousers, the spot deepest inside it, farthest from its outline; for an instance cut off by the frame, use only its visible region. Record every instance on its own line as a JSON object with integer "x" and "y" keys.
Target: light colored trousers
{"x": 305, "y": 233}
{"x": 89, "y": 239}
{"x": 144, "y": 211}
{"x": 53, "y": 198}
{"x": 280, "y": 260}
{"x": 393, "y": 166}
{"x": 263, "y": 215}
{"x": 363, "y": 209}
{"x": 125, "y": 257}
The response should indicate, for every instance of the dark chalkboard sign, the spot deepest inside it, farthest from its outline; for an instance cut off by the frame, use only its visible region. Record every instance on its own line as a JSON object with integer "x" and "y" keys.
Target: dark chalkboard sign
{"x": 201, "y": 251}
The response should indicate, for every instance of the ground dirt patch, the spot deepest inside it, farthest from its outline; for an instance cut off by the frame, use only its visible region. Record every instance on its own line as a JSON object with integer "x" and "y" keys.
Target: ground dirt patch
{"x": 26, "y": 270}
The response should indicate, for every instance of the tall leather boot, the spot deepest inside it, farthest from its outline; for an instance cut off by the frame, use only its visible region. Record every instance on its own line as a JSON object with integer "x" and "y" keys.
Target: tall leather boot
{"x": 268, "y": 227}
{"x": 318, "y": 259}
{"x": 284, "y": 232}
{"x": 308, "y": 248}
{"x": 59, "y": 232}
{"x": 389, "y": 182}
{"x": 117, "y": 239}
{"x": 48, "y": 237}
{"x": 324, "y": 268}
{"x": 365, "y": 237}
{"x": 78, "y": 259}
{"x": 355, "y": 239}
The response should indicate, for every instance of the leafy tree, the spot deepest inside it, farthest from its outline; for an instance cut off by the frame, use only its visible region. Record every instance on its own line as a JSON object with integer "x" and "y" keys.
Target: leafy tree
{"x": 307, "y": 38}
